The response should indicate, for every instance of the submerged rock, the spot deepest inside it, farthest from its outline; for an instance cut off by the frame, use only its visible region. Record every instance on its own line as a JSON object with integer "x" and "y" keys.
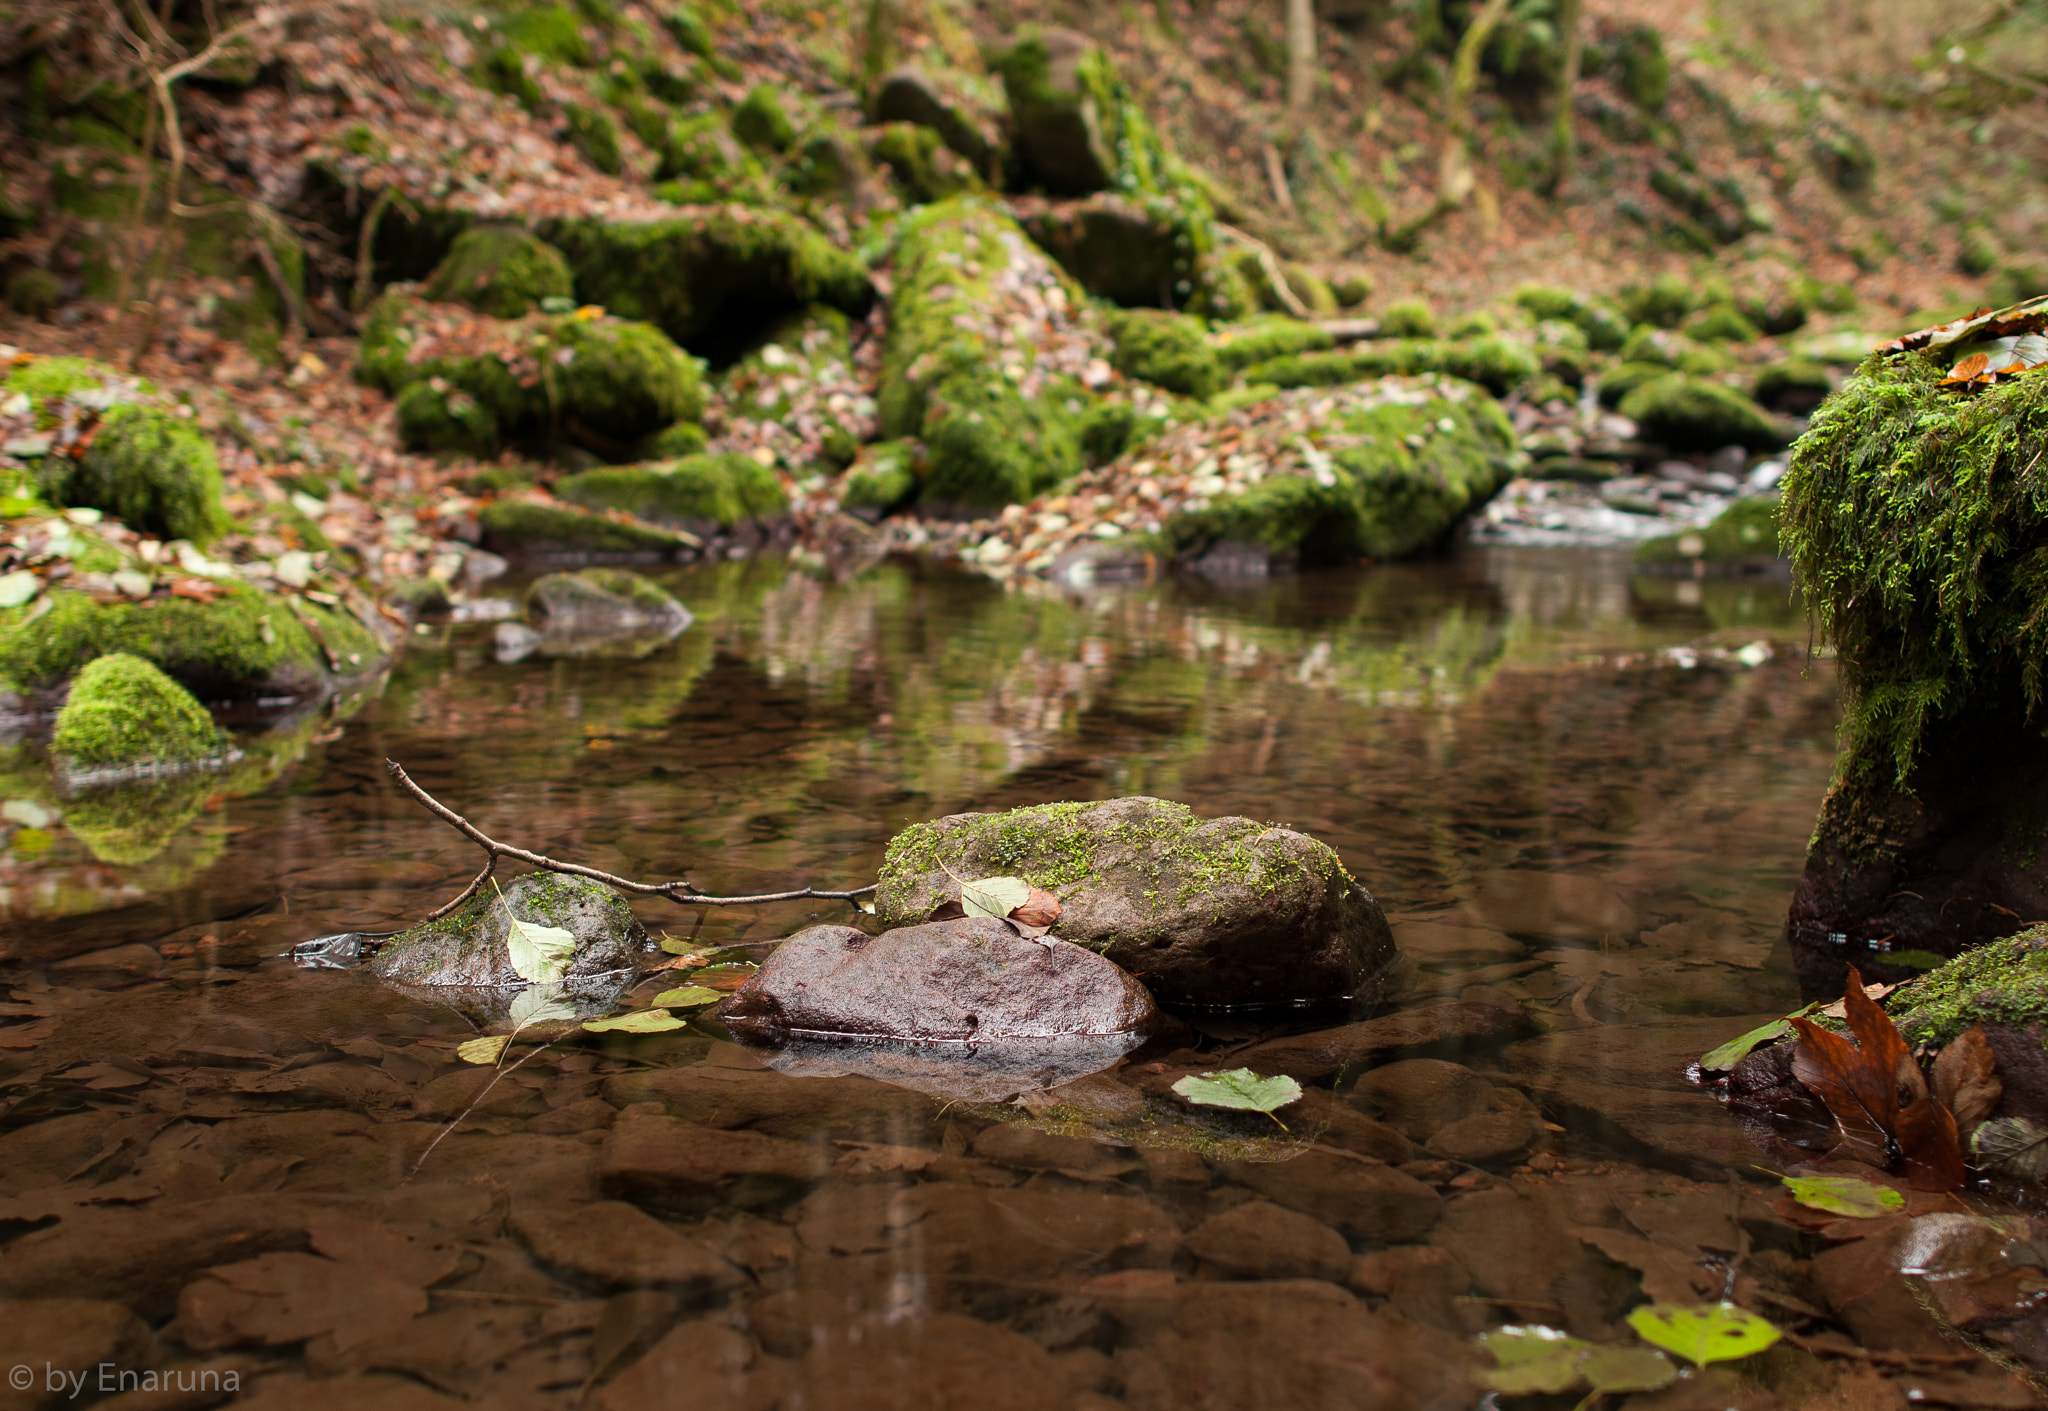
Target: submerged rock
{"x": 600, "y": 612}
{"x": 1208, "y": 911}
{"x": 967, "y": 980}
{"x": 988, "y": 1071}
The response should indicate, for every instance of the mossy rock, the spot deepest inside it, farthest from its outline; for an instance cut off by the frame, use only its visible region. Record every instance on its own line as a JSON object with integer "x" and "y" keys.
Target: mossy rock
{"x": 1241, "y": 345}
{"x": 2003, "y": 984}
{"x": 921, "y": 166}
{"x": 1136, "y": 250}
{"x": 122, "y": 711}
{"x": 1604, "y": 326}
{"x": 881, "y": 479}
{"x": 529, "y": 529}
{"x": 1312, "y": 290}
{"x": 1497, "y": 364}
{"x": 1168, "y": 350}
{"x": 703, "y": 150}
{"x": 595, "y": 133}
{"x": 1408, "y": 318}
{"x": 44, "y": 380}
{"x": 1722, "y": 323}
{"x": 1662, "y": 303}
{"x": 762, "y": 122}
{"x": 445, "y": 420}
{"x": 608, "y": 612}
{"x": 703, "y": 494}
{"x": 617, "y": 381}
{"x": 710, "y": 277}
{"x": 943, "y": 106}
{"x": 1215, "y": 911}
{"x": 243, "y": 643}
{"x": 152, "y": 470}
{"x": 500, "y": 270}
{"x": 1688, "y": 414}
{"x": 1744, "y": 534}
{"x": 1623, "y": 378}
{"x": 1796, "y": 385}
{"x": 466, "y": 949}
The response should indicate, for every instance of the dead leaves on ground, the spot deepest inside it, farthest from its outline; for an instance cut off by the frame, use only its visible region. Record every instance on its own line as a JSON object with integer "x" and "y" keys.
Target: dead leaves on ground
{"x": 1990, "y": 346}
{"x": 1883, "y": 1109}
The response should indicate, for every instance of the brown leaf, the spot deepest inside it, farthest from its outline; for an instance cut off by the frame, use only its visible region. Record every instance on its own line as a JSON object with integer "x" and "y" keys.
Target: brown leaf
{"x": 1934, "y": 1153}
{"x": 1041, "y": 908}
{"x": 1883, "y": 1050}
{"x": 1966, "y": 1079}
{"x": 1967, "y": 369}
{"x": 1863, "y": 1103}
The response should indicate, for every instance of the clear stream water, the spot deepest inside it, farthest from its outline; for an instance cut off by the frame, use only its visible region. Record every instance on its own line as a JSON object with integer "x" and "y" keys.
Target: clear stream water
{"x": 1581, "y": 796}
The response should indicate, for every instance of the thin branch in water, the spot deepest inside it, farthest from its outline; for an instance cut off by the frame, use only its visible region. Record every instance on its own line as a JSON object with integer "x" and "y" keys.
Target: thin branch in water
{"x": 678, "y": 891}
{"x": 463, "y": 1116}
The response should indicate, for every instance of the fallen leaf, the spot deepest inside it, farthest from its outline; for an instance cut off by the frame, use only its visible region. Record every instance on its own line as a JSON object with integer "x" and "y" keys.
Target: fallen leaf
{"x": 484, "y": 1051}
{"x": 2012, "y": 1146}
{"x": 1864, "y": 1105}
{"x": 1934, "y": 1151}
{"x": 1845, "y": 1195}
{"x": 539, "y": 954}
{"x": 640, "y": 1021}
{"x": 994, "y": 897}
{"x": 1040, "y": 909}
{"x": 1720, "y": 1060}
{"x": 687, "y": 997}
{"x": 1533, "y": 1360}
{"x": 1242, "y": 1089}
{"x": 1708, "y": 1332}
{"x": 1840, "y": 1008}
{"x": 1966, "y": 1078}
{"x": 1618, "y": 1370}
{"x": 1967, "y": 369}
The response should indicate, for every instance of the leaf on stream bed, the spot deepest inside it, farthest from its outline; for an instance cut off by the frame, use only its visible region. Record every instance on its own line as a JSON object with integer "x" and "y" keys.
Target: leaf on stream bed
{"x": 2012, "y": 1146}
{"x": 1708, "y": 1332}
{"x": 1242, "y": 1089}
{"x": 536, "y": 1004}
{"x": 1966, "y": 1078}
{"x": 1535, "y": 1360}
{"x": 640, "y": 1021}
{"x": 1844, "y": 1195}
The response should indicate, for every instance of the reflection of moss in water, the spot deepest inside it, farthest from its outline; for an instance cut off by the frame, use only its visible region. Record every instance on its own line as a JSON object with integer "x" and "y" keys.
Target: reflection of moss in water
{"x": 1213, "y": 1135}
{"x": 131, "y": 824}
{"x": 1764, "y": 603}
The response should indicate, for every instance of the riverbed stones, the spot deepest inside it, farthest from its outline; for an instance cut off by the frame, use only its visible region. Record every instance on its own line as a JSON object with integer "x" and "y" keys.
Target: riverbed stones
{"x": 467, "y": 947}
{"x": 965, "y": 980}
{"x": 1357, "y": 1195}
{"x": 1420, "y": 1096}
{"x": 1452, "y": 1026}
{"x": 1260, "y": 1240}
{"x": 1214, "y": 911}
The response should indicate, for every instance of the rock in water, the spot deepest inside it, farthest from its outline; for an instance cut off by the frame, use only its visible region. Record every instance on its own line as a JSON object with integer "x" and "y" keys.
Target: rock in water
{"x": 1204, "y": 911}
{"x": 968, "y": 979}
{"x": 461, "y": 959}
{"x": 602, "y": 612}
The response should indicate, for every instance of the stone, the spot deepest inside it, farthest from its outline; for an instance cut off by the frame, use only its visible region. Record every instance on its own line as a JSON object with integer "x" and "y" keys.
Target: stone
{"x": 122, "y": 712}
{"x": 1484, "y": 1138}
{"x": 986, "y": 1071}
{"x": 602, "y": 612}
{"x": 73, "y": 1334}
{"x": 1454, "y": 1026}
{"x": 934, "y": 1362}
{"x": 1419, "y": 1096}
{"x": 1125, "y": 249}
{"x": 530, "y": 529}
{"x": 1219, "y": 910}
{"x": 500, "y": 270}
{"x": 463, "y": 957}
{"x": 704, "y": 1362}
{"x": 1692, "y": 414}
{"x": 1419, "y": 1282}
{"x": 1346, "y": 1127}
{"x": 968, "y": 978}
{"x": 777, "y": 1105}
{"x": 1027, "y": 1149}
{"x": 912, "y": 95}
{"x": 1048, "y": 75}
{"x": 699, "y": 495}
{"x": 622, "y": 1246}
{"x": 1260, "y": 1240}
{"x": 1355, "y": 1194}
{"x": 654, "y": 1160}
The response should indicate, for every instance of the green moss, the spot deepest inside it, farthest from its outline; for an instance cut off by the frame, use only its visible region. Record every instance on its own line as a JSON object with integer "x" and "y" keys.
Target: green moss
{"x": 1604, "y": 327}
{"x": 1409, "y": 318}
{"x": 48, "y": 378}
{"x": 1171, "y": 350}
{"x": 522, "y": 526}
{"x": 1495, "y": 363}
{"x": 122, "y": 711}
{"x": 1636, "y": 54}
{"x": 2005, "y": 982}
{"x": 762, "y": 122}
{"x": 552, "y": 32}
{"x": 1311, "y": 289}
{"x": 151, "y": 469}
{"x": 1240, "y": 345}
{"x": 1623, "y": 378}
{"x": 500, "y": 270}
{"x": 1795, "y": 381}
{"x": 696, "y": 492}
{"x": 702, "y": 149}
{"x": 624, "y": 380}
{"x": 594, "y": 133}
{"x": 685, "y": 438}
{"x": 1662, "y": 303}
{"x": 1913, "y": 516}
{"x": 920, "y": 163}
{"x": 1744, "y": 532}
{"x": 132, "y": 824}
{"x": 1722, "y": 324}
{"x": 1686, "y": 413}
{"x": 445, "y": 420}
{"x": 882, "y": 478}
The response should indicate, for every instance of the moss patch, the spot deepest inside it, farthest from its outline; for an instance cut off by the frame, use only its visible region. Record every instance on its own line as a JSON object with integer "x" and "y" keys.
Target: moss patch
{"x": 1494, "y": 363}
{"x": 526, "y": 527}
{"x": 1687, "y": 413}
{"x": 1744, "y": 532}
{"x": 122, "y": 710}
{"x": 700, "y": 493}
{"x": 151, "y": 469}
{"x": 2004, "y": 982}
{"x": 500, "y": 270}
{"x": 1241, "y": 345}
{"x": 1169, "y": 350}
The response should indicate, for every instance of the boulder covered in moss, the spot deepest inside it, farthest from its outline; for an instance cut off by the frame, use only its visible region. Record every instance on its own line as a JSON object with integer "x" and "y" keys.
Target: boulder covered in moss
{"x": 149, "y": 468}
{"x": 919, "y": 164}
{"x": 123, "y": 712}
{"x": 1137, "y": 251}
{"x": 987, "y": 343}
{"x": 1691, "y": 414}
{"x": 1168, "y": 350}
{"x": 462, "y": 959}
{"x": 552, "y": 531}
{"x": 1913, "y": 514}
{"x": 1497, "y": 364}
{"x": 702, "y": 495}
{"x": 1795, "y": 386}
{"x": 1203, "y": 911}
{"x": 882, "y": 478}
{"x": 1253, "y": 341}
{"x": 934, "y": 103}
{"x": 500, "y": 270}
{"x": 610, "y": 612}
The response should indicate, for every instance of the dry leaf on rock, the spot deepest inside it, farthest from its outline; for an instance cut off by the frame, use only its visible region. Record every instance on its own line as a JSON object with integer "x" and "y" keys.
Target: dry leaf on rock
{"x": 1966, "y": 1078}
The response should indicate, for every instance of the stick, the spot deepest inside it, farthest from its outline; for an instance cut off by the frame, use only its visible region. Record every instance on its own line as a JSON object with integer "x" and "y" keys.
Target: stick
{"x": 678, "y": 891}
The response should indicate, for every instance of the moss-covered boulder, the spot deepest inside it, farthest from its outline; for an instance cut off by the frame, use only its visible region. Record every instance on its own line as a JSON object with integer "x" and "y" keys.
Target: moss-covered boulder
{"x": 1168, "y": 350}
{"x": 881, "y": 479}
{"x": 1253, "y": 341}
{"x": 1497, "y": 364}
{"x": 1691, "y": 414}
{"x": 703, "y": 163}
{"x": 462, "y": 958}
{"x": 1795, "y": 386}
{"x": 708, "y": 277}
{"x": 987, "y": 340}
{"x": 150, "y": 468}
{"x": 1914, "y": 517}
{"x": 1204, "y": 911}
{"x": 702, "y": 494}
{"x": 502, "y": 271}
{"x": 919, "y": 164}
{"x": 536, "y": 529}
{"x": 122, "y": 712}
{"x": 964, "y": 121}
{"x": 1741, "y": 538}
{"x": 1137, "y": 251}
{"x": 1604, "y": 326}
{"x": 609, "y": 612}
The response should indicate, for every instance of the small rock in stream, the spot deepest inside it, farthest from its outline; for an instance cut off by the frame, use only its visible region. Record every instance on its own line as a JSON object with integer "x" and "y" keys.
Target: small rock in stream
{"x": 971, "y": 979}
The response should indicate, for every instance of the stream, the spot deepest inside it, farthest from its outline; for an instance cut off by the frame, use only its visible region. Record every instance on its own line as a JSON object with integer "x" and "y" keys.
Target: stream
{"x": 1581, "y": 796}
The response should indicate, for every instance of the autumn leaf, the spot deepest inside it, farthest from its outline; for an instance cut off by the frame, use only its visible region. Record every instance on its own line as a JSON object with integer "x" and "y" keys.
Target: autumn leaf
{"x": 994, "y": 897}
{"x": 1863, "y": 1104}
{"x": 1966, "y": 1078}
{"x": 1036, "y": 916}
{"x": 1710, "y": 1332}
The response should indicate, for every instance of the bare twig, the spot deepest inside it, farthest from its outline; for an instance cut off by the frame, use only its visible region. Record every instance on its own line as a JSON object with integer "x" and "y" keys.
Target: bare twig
{"x": 678, "y": 891}
{"x": 463, "y": 1116}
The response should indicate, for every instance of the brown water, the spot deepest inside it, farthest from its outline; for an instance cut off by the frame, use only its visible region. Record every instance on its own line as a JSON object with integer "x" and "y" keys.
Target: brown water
{"x": 1581, "y": 798}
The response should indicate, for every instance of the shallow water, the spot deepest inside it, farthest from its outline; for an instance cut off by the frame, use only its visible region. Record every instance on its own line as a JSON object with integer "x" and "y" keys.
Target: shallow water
{"x": 1582, "y": 798}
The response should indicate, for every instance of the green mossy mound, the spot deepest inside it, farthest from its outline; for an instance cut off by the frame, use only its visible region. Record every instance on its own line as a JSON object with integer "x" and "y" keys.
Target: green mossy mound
{"x": 998, "y": 424}
{"x": 1242, "y": 345}
{"x": 1390, "y": 467}
{"x": 617, "y": 382}
{"x": 1496, "y": 364}
{"x": 702, "y": 162}
{"x": 1409, "y": 318}
{"x": 883, "y": 478}
{"x": 526, "y": 528}
{"x": 1745, "y": 532}
{"x": 2003, "y": 983}
{"x": 243, "y": 642}
{"x": 1914, "y": 516}
{"x": 123, "y": 711}
{"x": 1168, "y": 350}
{"x": 152, "y": 470}
{"x": 500, "y": 270}
{"x": 1604, "y": 327}
{"x": 702, "y": 493}
{"x": 1722, "y": 324}
{"x": 1688, "y": 414}
{"x": 45, "y": 379}
{"x": 1796, "y": 385}
{"x": 708, "y": 276}
{"x": 922, "y": 167}
{"x": 762, "y": 122}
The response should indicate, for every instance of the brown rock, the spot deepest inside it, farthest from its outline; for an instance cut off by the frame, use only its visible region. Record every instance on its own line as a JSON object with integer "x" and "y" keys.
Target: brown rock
{"x": 74, "y": 1334}
{"x": 1027, "y": 1149}
{"x": 1259, "y": 1240}
{"x": 1420, "y": 1281}
{"x": 1346, "y": 1127}
{"x": 701, "y": 1363}
{"x": 622, "y": 1246}
{"x": 1318, "y": 1057}
{"x": 651, "y": 1159}
{"x": 1484, "y": 1137}
{"x": 778, "y": 1105}
{"x": 1354, "y": 1194}
{"x": 294, "y": 1391}
{"x": 1517, "y": 1247}
{"x": 936, "y": 1363}
{"x": 1421, "y": 1095}
{"x": 969, "y": 978}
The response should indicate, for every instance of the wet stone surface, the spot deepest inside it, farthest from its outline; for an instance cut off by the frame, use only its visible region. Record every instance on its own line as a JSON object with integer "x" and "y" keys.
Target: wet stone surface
{"x": 216, "y": 1163}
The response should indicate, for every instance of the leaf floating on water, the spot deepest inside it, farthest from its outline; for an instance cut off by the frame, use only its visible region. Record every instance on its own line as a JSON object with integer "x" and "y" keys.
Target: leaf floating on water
{"x": 1533, "y": 1360}
{"x": 1966, "y": 1078}
{"x": 1845, "y": 1195}
{"x": 1618, "y": 1370}
{"x": 1709, "y": 1332}
{"x": 485, "y": 1051}
{"x": 640, "y": 1021}
{"x": 1242, "y": 1089}
{"x": 726, "y": 978}
{"x": 994, "y": 897}
{"x": 688, "y": 997}
{"x": 2012, "y": 1146}
{"x": 1721, "y": 1059}
{"x": 539, "y": 954}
